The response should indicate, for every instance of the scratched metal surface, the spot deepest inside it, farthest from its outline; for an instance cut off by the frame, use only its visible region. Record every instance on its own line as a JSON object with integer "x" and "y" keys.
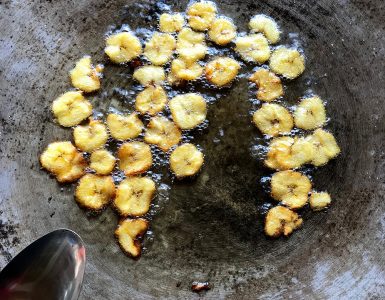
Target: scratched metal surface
{"x": 210, "y": 228}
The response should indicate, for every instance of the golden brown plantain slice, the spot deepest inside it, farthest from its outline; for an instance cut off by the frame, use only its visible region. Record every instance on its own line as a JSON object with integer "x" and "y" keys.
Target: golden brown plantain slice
{"x": 186, "y": 160}
{"x": 222, "y": 31}
{"x": 201, "y": 15}
{"x": 124, "y": 127}
{"x": 310, "y": 113}
{"x": 160, "y": 48}
{"x": 191, "y": 45}
{"x": 279, "y": 149}
{"x": 64, "y": 161}
{"x": 269, "y": 85}
{"x": 123, "y": 47}
{"x": 151, "y": 100}
{"x": 162, "y": 132}
{"x": 90, "y": 137}
{"x": 301, "y": 152}
{"x": 150, "y": 75}
{"x": 253, "y": 48}
{"x": 325, "y": 147}
{"x": 289, "y": 153}
{"x": 185, "y": 69}
{"x": 273, "y": 119}
{"x": 95, "y": 192}
{"x": 128, "y": 233}
{"x": 171, "y": 22}
{"x": 102, "y": 162}
{"x": 134, "y": 158}
{"x": 222, "y": 70}
{"x": 290, "y": 188}
{"x": 134, "y": 195}
{"x": 84, "y": 76}
{"x": 281, "y": 221}
{"x": 319, "y": 200}
{"x": 71, "y": 108}
{"x": 267, "y": 26}
{"x": 188, "y": 110}
{"x": 287, "y": 62}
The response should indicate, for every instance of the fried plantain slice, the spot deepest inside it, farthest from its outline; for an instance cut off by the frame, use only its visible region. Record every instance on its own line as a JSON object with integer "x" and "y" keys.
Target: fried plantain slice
{"x": 64, "y": 161}
{"x": 102, "y": 161}
{"x": 185, "y": 69}
{"x": 201, "y": 15}
{"x": 191, "y": 45}
{"x": 71, "y": 108}
{"x": 188, "y": 110}
{"x": 151, "y": 100}
{"x": 160, "y": 48}
{"x": 122, "y": 47}
{"x": 222, "y": 31}
{"x": 84, "y": 76}
{"x": 325, "y": 147}
{"x": 273, "y": 119}
{"x": 253, "y": 48}
{"x": 310, "y": 113}
{"x": 186, "y": 160}
{"x": 287, "y": 62}
{"x": 134, "y": 196}
{"x": 279, "y": 149}
{"x": 128, "y": 233}
{"x": 222, "y": 70}
{"x": 162, "y": 132}
{"x": 300, "y": 152}
{"x": 134, "y": 158}
{"x": 95, "y": 192}
{"x": 150, "y": 75}
{"x": 267, "y": 26}
{"x": 281, "y": 221}
{"x": 269, "y": 85}
{"x": 124, "y": 127}
{"x": 290, "y": 188}
{"x": 171, "y": 22}
{"x": 90, "y": 137}
{"x": 319, "y": 200}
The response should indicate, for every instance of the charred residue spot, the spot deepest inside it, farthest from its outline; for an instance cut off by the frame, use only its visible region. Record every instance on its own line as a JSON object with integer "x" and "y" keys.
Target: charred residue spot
{"x": 8, "y": 238}
{"x": 200, "y": 286}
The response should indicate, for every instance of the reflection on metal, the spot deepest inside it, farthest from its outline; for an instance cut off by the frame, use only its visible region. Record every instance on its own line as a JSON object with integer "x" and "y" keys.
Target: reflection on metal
{"x": 52, "y": 267}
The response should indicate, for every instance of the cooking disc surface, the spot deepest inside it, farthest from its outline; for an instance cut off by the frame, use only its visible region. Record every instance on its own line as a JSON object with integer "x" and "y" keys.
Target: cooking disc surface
{"x": 209, "y": 228}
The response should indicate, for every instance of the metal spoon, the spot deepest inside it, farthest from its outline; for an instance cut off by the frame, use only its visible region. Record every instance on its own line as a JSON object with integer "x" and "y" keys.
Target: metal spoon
{"x": 52, "y": 267}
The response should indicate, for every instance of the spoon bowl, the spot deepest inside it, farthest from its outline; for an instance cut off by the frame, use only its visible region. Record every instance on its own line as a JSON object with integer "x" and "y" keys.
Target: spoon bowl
{"x": 52, "y": 267}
